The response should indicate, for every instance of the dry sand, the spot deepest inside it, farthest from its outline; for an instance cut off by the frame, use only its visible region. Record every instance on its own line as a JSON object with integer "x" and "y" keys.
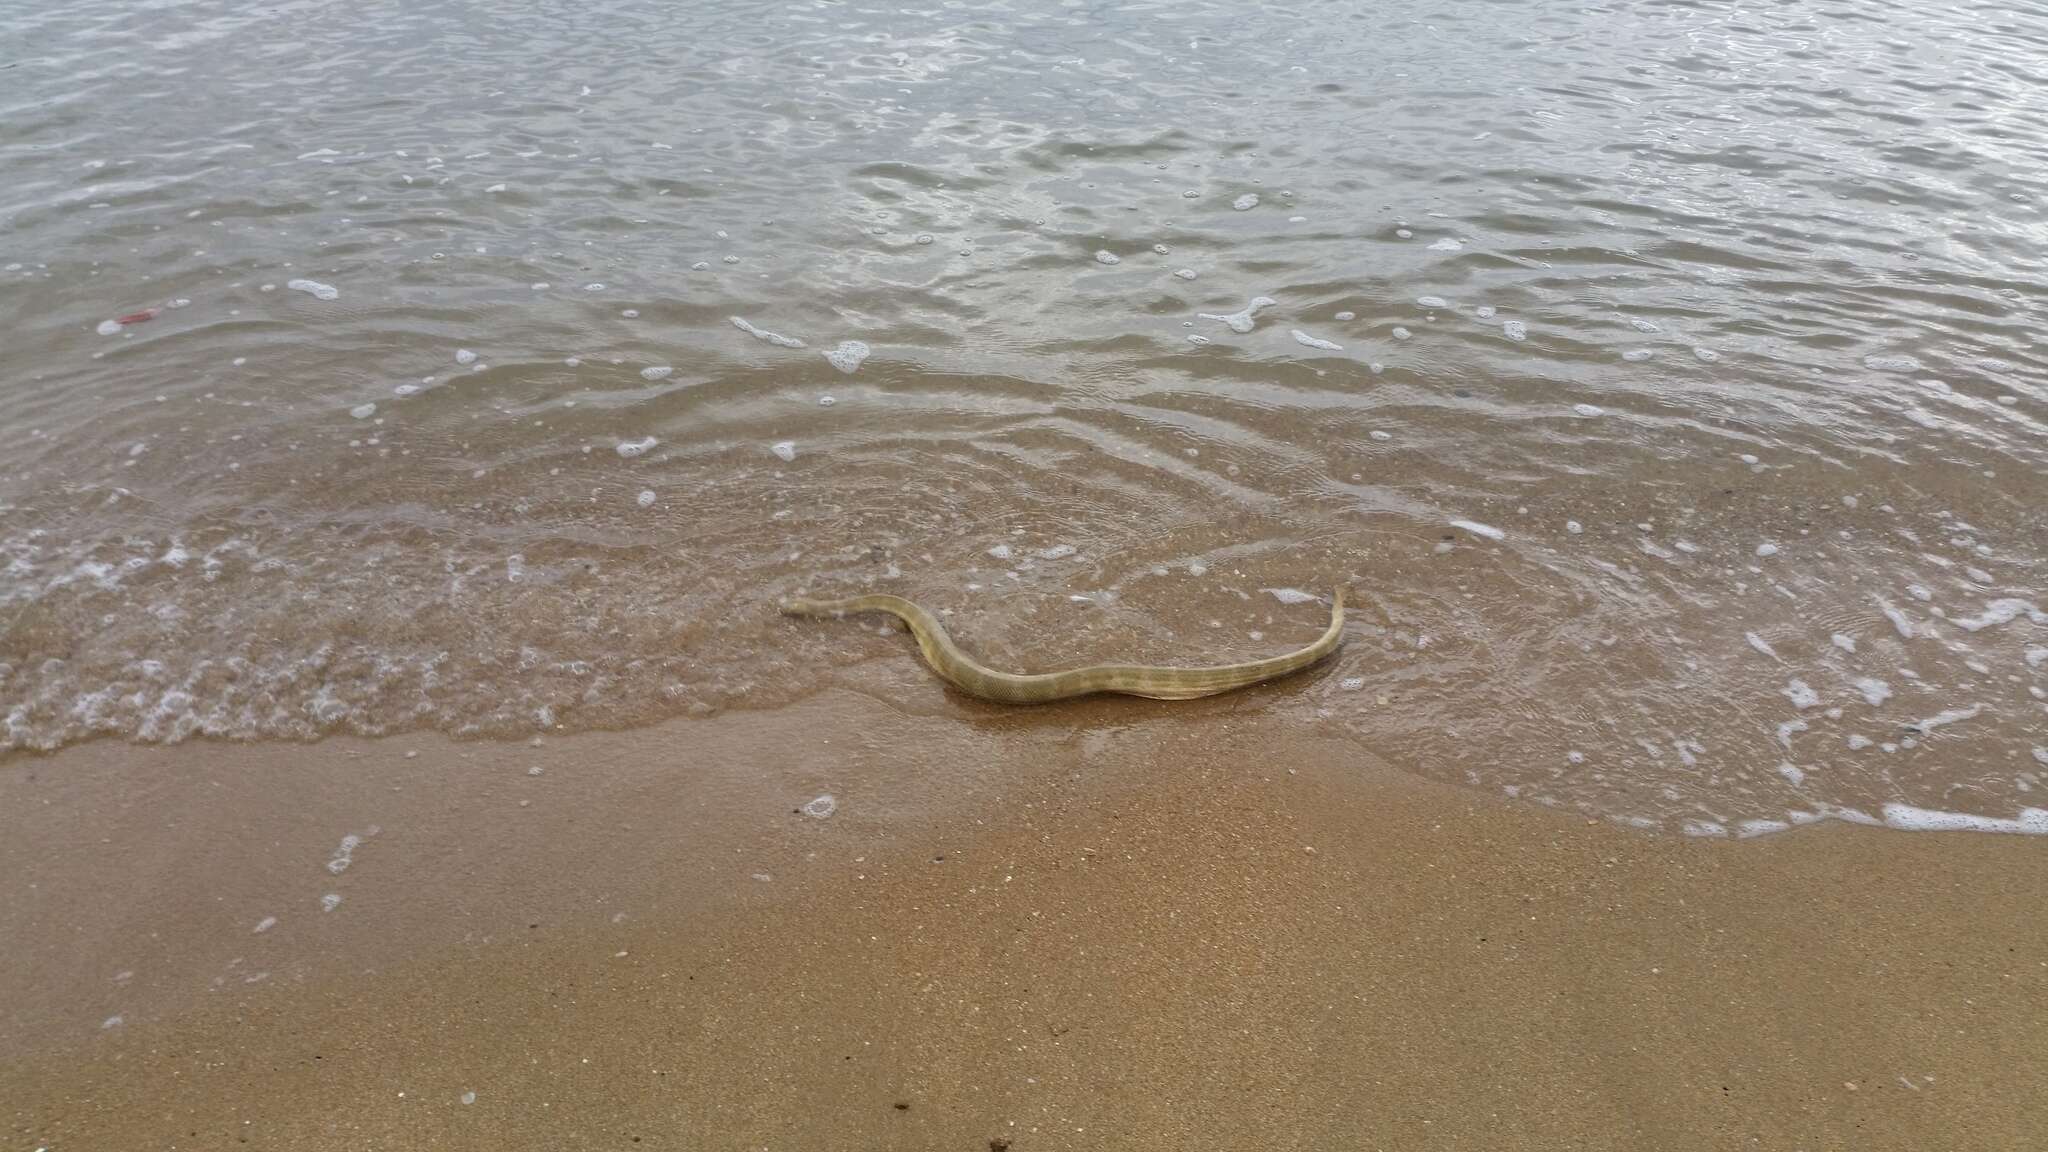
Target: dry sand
{"x": 1102, "y": 926}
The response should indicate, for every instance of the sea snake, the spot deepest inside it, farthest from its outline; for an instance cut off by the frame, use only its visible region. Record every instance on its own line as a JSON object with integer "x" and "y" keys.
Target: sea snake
{"x": 1160, "y": 683}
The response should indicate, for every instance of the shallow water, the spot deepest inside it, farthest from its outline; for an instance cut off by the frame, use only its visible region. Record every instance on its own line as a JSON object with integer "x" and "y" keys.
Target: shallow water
{"x": 1665, "y": 380}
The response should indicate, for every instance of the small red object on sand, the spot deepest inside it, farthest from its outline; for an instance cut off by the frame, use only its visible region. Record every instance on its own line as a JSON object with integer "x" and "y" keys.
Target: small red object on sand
{"x": 143, "y": 316}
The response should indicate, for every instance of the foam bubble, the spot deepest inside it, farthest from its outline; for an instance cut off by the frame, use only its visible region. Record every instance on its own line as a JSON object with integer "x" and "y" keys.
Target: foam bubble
{"x": 1105, "y": 256}
{"x": 632, "y": 448}
{"x": 1757, "y": 642}
{"x": 1301, "y": 337}
{"x": 1246, "y": 202}
{"x": 109, "y": 328}
{"x": 330, "y": 902}
{"x": 1239, "y": 321}
{"x": 774, "y": 338}
{"x": 1905, "y": 817}
{"x": 363, "y": 411}
{"x": 265, "y": 924}
{"x": 344, "y": 855}
{"x": 1948, "y": 716}
{"x": 1634, "y": 355}
{"x": 1432, "y": 302}
{"x": 1185, "y": 273}
{"x": 822, "y": 807}
{"x": 784, "y": 449}
{"x": 656, "y": 372}
{"x": 1289, "y": 595}
{"x": 848, "y": 356}
{"x": 646, "y": 498}
{"x": 1478, "y": 529}
{"x": 1448, "y": 244}
{"x": 1801, "y": 694}
{"x": 1514, "y": 330}
{"x": 2001, "y": 612}
{"x": 1589, "y": 410}
{"x": 314, "y": 288}
{"x": 1900, "y": 622}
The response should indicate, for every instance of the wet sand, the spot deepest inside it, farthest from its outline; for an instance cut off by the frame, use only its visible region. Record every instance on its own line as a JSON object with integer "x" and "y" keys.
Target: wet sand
{"x": 1098, "y": 926}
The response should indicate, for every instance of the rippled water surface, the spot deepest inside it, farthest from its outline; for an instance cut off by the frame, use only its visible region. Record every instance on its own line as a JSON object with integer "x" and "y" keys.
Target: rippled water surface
{"x": 1666, "y": 379}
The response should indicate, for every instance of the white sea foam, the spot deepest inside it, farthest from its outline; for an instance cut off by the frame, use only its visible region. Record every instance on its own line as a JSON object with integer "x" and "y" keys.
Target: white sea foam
{"x": 363, "y": 411}
{"x": 1801, "y": 694}
{"x": 1239, "y": 321}
{"x": 344, "y": 855}
{"x": 1905, "y": 817}
{"x": 848, "y": 356}
{"x": 774, "y": 338}
{"x": 1757, "y": 642}
{"x": 1589, "y": 410}
{"x": 1105, "y": 256}
{"x": 2001, "y": 612}
{"x": 784, "y": 449}
{"x": 822, "y": 807}
{"x": 1514, "y": 330}
{"x": 656, "y": 372}
{"x": 640, "y": 447}
{"x": 1478, "y": 529}
{"x": 1289, "y": 595}
{"x": 1949, "y": 716}
{"x": 1900, "y": 622}
{"x": 1432, "y": 302}
{"x": 1301, "y": 337}
{"x": 1246, "y": 202}
{"x": 1448, "y": 244}
{"x": 314, "y": 288}
{"x": 1874, "y": 691}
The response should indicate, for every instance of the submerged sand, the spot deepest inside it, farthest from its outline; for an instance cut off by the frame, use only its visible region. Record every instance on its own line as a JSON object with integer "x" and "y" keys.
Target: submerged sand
{"x": 1098, "y": 926}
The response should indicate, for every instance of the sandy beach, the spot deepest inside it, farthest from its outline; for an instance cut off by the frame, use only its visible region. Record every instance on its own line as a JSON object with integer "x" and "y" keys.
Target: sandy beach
{"x": 1103, "y": 926}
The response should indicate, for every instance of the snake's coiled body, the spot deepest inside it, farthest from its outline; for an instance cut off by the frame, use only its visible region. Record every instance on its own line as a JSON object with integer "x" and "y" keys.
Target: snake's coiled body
{"x": 1155, "y": 681}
